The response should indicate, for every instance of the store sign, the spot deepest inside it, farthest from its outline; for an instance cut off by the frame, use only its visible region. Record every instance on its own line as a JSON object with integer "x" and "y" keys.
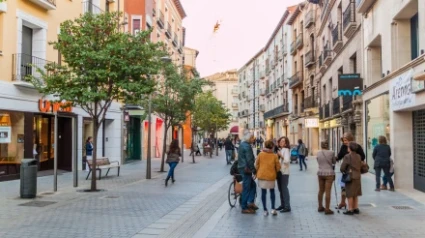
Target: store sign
{"x": 349, "y": 85}
{"x": 48, "y": 106}
{"x": 5, "y": 134}
{"x": 401, "y": 95}
{"x": 311, "y": 122}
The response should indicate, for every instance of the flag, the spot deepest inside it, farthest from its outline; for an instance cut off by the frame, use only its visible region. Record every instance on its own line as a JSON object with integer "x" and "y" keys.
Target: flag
{"x": 314, "y": 1}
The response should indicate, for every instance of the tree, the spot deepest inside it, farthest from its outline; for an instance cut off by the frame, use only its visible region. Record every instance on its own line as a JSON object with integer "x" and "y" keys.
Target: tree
{"x": 102, "y": 65}
{"x": 210, "y": 114}
{"x": 174, "y": 99}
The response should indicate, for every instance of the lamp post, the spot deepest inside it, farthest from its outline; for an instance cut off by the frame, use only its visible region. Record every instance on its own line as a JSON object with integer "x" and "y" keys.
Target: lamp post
{"x": 55, "y": 155}
{"x": 148, "y": 156}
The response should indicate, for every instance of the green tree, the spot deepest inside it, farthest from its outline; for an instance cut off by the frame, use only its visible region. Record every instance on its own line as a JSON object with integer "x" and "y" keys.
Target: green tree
{"x": 210, "y": 114}
{"x": 101, "y": 65}
{"x": 174, "y": 99}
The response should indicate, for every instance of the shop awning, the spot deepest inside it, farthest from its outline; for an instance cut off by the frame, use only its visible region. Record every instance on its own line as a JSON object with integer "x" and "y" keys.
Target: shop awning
{"x": 234, "y": 130}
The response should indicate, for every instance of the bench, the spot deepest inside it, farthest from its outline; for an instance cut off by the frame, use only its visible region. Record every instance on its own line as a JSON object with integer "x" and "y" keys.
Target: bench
{"x": 102, "y": 163}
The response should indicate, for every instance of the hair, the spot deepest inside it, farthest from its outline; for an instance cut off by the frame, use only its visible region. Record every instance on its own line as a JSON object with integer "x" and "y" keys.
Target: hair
{"x": 174, "y": 146}
{"x": 287, "y": 143}
{"x": 348, "y": 136}
{"x": 382, "y": 140}
{"x": 269, "y": 144}
{"x": 246, "y": 135}
{"x": 300, "y": 141}
{"x": 88, "y": 139}
{"x": 324, "y": 145}
{"x": 353, "y": 146}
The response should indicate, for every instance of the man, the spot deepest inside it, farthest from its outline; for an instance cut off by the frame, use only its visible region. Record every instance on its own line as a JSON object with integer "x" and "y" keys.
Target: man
{"x": 229, "y": 147}
{"x": 246, "y": 168}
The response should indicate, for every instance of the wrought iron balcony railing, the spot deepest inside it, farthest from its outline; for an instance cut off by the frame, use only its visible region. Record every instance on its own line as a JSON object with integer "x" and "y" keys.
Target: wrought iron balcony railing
{"x": 27, "y": 65}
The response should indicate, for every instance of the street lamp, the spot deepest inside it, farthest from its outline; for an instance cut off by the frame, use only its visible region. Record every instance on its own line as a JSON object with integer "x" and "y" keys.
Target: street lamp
{"x": 148, "y": 156}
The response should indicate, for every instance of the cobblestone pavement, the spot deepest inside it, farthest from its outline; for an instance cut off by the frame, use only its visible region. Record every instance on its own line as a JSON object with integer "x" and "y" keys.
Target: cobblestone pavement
{"x": 195, "y": 206}
{"x": 377, "y": 219}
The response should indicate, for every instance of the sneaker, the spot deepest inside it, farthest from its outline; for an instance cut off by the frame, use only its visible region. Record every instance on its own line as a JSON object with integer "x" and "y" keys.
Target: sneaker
{"x": 321, "y": 209}
{"x": 286, "y": 210}
{"x": 248, "y": 211}
{"x": 266, "y": 213}
{"x": 377, "y": 190}
{"x": 280, "y": 208}
{"x": 329, "y": 212}
{"x": 383, "y": 187}
{"x": 252, "y": 206}
{"x": 274, "y": 212}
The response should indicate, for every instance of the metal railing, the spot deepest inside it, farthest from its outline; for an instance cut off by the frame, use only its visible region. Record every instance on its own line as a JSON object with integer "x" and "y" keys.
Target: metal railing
{"x": 336, "y": 106}
{"x": 27, "y": 65}
{"x": 327, "y": 110}
{"x": 276, "y": 111}
{"x": 347, "y": 102}
{"x": 309, "y": 19}
{"x": 295, "y": 79}
{"x": 349, "y": 15}
{"x": 161, "y": 19}
{"x": 309, "y": 102}
{"x": 90, "y": 7}
{"x": 321, "y": 59}
{"x": 336, "y": 34}
{"x": 309, "y": 59}
{"x": 168, "y": 31}
{"x": 175, "y": 40}
{"x": 293, "y": 47}
{"x": 321, "y": 114}
{"x": 300, "y": 41}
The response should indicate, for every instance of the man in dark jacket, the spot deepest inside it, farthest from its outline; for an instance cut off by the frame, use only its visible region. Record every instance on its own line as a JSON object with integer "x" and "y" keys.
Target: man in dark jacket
{"x": 246, "y": 168}
{"x": 229, "y": 148}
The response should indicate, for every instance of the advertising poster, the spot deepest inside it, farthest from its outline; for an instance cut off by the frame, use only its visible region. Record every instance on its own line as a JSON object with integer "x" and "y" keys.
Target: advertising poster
{"x": 5, "y": 134}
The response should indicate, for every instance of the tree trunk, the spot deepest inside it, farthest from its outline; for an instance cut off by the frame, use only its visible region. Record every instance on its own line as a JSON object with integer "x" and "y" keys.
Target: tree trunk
{"x": 93, "y": 173}
{"x": 164, "y": 145}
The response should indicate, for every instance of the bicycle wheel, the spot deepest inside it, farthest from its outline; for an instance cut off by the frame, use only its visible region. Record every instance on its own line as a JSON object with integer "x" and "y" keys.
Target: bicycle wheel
{"x": 233, "y": 197}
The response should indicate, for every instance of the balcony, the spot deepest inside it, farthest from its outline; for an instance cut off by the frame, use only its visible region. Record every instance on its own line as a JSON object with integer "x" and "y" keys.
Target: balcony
{"x": 234, "y": 105}
{"x": 327, "y": 110}
{"x": 153, "y": 12}
{"x": 336, "y": 106}
{"x": 92, "y": 8}
{"x": 293, "y": 48}
{"x": 235, "y": 91}
{"x": 160, "y": 19}
{"x": 364, "y": 5}
{"x": 268, "y": 93}
{"x": 180, "y": 49}
{"x": 262, "y": 108}
{"x": 321, "y": 114}
{"x": 347, "y": 103}
{"x": 262, "y": 92}
{"x": 336, "y": 38}
{"x": 349, "y": 21}
{"x": 322, "y": 65}
{"x": 168, "y": 31}
{"x": 300, "y": 41}
{"x": 309, "y": 59}
{"x": 175, "y": 40}
{"x": 282, "y": 80}
{"x": 284, "y": 50}
{"x": 27, "y": 65}
{"x": 46, "y": 4}
{"x": 276, "y": 86}
{"x": 327, "y": 56}
{"x": 277, "y": 111}
{"x": 262, "y": 74}
{"x": 310, "y": 102}
{"x": 295, "y": 80}
{"x": 309, "y": 19}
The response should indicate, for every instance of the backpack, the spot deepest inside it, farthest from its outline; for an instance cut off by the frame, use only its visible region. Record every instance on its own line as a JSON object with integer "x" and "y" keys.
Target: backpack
{"x": 305, "y": 151}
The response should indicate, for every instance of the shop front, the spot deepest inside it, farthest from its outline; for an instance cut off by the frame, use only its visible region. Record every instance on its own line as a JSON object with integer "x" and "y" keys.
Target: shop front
{"x": 332, "y": 131}
{"x": 312, "y": 134}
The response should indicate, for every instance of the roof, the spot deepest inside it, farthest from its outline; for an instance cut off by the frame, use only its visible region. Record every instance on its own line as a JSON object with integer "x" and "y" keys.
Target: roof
{"x": 276, "y": 30}
{"x": 296, "y": 12}
{"x": 180, "y": 8}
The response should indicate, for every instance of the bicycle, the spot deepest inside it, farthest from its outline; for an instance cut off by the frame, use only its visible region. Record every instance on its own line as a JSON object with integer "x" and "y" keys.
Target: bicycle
{"x": 235, "y": 190}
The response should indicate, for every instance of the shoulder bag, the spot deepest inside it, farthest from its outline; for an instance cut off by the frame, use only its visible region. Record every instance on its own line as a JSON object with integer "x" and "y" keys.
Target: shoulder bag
{"x": 346, "y": 177}
{"x": 364, "y": 168}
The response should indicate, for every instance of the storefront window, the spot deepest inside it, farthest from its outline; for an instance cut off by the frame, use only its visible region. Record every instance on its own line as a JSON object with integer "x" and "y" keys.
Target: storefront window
{"x": 44, "y": 141}
{"x": 11, "y": 142}
{"x": 377, "y": 124}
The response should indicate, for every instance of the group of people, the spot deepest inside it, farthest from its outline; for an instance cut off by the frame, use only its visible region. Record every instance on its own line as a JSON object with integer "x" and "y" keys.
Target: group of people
{"x": 272, "y": 166}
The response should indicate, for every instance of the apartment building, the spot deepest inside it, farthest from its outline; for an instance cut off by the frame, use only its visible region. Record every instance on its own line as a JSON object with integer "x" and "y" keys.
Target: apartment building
{"x": 225, "y": 89}
{"x": 394, "y": 65}
{"x": 27, "y": 117}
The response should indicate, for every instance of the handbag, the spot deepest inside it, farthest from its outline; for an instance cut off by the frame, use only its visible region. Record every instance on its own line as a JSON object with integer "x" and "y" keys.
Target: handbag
{"x": 346, "y": 177}
{"x": 365, "y": 168}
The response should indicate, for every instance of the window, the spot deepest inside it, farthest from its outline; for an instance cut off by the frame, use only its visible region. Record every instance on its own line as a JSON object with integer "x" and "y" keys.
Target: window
{"x": 136, "y": 26}
{"x": 414, "y": 36}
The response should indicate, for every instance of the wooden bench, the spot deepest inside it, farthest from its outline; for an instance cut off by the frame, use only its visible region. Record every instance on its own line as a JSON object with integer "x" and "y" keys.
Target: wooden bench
{"x": 102, "y": 163}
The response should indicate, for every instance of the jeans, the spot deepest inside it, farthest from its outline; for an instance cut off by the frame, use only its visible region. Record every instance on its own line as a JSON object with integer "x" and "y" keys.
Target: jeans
{"x": 385, "y": 180}
{"x": 264, "y": 195}
{"x": 172, "y": 167}
{"x": 386, "y": 174}
{"x": 325, "y": 187}
{"x": 282, "y": 185}
{"x": 302, "y": 161}
{"x": 248, "y": 189}
{"x": 229, "y": 154}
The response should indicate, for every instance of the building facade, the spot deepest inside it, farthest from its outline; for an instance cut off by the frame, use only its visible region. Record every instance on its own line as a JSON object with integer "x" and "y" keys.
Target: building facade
{"x": 27, "y": 117}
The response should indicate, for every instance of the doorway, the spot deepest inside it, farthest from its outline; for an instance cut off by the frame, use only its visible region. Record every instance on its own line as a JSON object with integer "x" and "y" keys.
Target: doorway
{"x": 64, "y": 144}
{"x": 134, "y": 139}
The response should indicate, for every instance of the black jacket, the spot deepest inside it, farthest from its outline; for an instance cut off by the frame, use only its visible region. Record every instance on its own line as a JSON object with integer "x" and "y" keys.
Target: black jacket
{"x": 228, "y": 145}
{"x": 344, "y": 150}
{"x": 381, "y": 155}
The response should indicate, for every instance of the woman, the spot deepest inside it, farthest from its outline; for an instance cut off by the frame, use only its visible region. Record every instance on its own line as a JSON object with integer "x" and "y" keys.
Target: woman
{"x": 89, "y": 150}
{"x": 302, "y": 154}
{"x": 352, "y": 164}
{"x": 283, "y": 174}
{"x": 381, "y": 155}
{"x": 326, "y": 175}
{"x": 347, "y": 138}
{"x": 173, "y": 158}
{"x": 267, "y": 166}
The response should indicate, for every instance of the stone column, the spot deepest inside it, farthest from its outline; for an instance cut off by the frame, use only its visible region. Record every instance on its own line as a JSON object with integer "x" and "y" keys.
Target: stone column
{"x": 358, "y": 120}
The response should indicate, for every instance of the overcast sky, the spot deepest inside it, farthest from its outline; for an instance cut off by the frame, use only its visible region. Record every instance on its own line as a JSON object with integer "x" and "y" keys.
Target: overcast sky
{"x": 246, "y": 25}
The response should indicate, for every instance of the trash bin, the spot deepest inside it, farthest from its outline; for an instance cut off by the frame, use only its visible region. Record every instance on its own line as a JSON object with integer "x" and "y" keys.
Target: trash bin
{"x": 28, "y": 174}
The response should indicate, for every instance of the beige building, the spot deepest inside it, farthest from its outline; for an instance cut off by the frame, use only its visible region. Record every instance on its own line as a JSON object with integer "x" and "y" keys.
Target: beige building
{"x": 226, "y": 90}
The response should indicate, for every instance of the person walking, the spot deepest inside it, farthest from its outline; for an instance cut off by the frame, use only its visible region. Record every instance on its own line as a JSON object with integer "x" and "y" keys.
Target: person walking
{"x": 283, "y": 175}
{"x": 89, "y": 151}
{"x": 302, "y": 153}
{"x": 246, "y": 168}
{"x": 381, "y": 155}
{"x": 173, "y": 158}
{"x": 229, "y": 148}
{"x": 351, "y": 165}
{"x": 326, "y": 176}
{"x": 346, "y": 139}
{"x": 267, "y": 166}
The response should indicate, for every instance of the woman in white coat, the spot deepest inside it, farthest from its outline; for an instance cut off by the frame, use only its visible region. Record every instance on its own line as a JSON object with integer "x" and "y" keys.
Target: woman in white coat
{"x": 283, "y": 175}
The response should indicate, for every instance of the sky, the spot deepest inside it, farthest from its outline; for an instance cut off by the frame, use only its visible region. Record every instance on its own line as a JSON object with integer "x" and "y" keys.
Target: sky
{"x": 246, "y": 26}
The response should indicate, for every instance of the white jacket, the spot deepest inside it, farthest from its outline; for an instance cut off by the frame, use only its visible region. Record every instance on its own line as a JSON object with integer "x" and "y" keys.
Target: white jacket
{"x": 285, "y": 162}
